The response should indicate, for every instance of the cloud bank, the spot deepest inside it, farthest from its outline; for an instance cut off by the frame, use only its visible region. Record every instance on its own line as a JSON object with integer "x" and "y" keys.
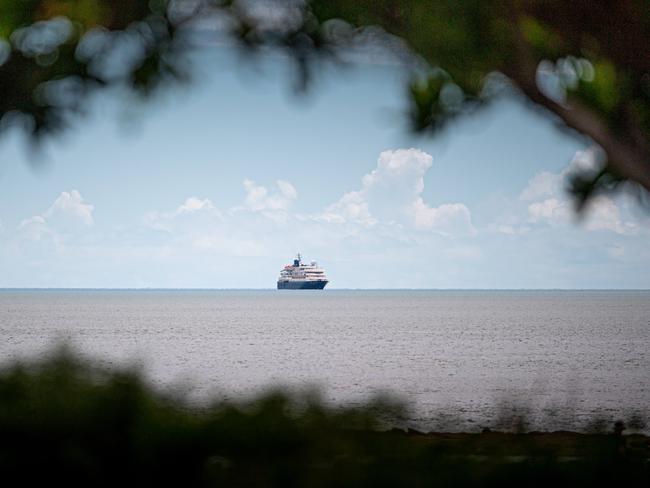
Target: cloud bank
{"x": 383, "y": 233}
{"x": 392, "y": 193}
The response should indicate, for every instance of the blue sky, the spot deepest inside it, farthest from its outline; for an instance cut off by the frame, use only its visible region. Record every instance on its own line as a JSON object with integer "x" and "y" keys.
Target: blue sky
{"x": 219, "y": 185}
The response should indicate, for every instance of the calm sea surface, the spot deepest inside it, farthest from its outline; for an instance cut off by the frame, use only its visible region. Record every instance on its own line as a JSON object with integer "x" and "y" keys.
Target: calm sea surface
{"x": 563, "y": 356}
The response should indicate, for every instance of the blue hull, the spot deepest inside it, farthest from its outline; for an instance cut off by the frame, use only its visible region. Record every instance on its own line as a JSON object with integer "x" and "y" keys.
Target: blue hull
{"x": 302, "y": 285}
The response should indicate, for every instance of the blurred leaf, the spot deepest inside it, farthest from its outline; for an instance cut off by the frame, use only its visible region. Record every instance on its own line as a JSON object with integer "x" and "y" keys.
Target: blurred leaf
{"x": 468, "y": 40}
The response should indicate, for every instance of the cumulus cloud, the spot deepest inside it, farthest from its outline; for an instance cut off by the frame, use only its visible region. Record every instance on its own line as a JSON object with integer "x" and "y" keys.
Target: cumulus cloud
{"x": 604, "y": 214}
{"x": 450, "y": 218}
{"x": 387, "y": 211}
{"x": 71, "y": 204}
{"x": 547, "y": 184}
{"x": 287, "y": 189}
{"x": 194, "y": 204}
{"x": 392, "y": 193}
{"x": 541, "y": 185}
{"x": 258, "y": 198}
{"x": 198, "y": 227}
{"x": 34, "y": 228}
{"x": 553, "y": 210}
{"x": 506, "y": 229}
{"x": 66, "y": 215}
{"x": 590, "y": 161}
{"x": 550, "y": 202}
{"x": 383, "y": 223}
{"x": 191, "y": 213}
{"x": 244, "y": 230}
{"x": 352, "y": 207}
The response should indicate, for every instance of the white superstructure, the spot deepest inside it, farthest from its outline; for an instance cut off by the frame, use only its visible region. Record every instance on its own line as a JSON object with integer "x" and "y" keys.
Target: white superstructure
{"x": 298, "y": 276}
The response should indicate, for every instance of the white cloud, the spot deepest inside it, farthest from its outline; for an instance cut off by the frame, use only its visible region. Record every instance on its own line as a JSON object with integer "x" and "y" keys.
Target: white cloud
{"x": 34, "y": 228}
{"x": 604, "y": 214}
{"x": 381, "y": 233}
{"x": 588, "y": 161}
{"x": 258, "y": 198}
{"x": 551, "y": 203}
{"x": 287, "y": 189}
{"x": 553, "y": 210}
{"x": 198, "y": 226}
{"x": 388, "y": 212}
{"x": 64, "y": 216}
{"x": 542, "y": 185}
{"x": 193, "y": 204}
{"x": 547, "y": 184}
{"x": 392, "y": 193}
{"x": 352, "y": 207}
{"x": 192, "y": 213}
{"x": 71, "y": 204}
{"x": 450, "y": 218}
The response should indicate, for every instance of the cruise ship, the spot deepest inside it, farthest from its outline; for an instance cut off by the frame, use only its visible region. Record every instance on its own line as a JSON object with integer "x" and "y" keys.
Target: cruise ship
{"x": 298, "y": 276}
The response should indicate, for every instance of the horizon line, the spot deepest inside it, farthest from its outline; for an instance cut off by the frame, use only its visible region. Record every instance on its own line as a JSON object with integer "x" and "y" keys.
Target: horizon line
{"x": 54, "y": 288}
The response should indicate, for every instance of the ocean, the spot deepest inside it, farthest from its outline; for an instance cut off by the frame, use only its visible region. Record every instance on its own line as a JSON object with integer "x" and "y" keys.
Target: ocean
{"x": 459, "y": 359}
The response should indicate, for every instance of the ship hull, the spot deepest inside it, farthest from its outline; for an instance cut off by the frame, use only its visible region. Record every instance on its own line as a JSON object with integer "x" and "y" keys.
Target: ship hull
{"x": 302, "y": 285}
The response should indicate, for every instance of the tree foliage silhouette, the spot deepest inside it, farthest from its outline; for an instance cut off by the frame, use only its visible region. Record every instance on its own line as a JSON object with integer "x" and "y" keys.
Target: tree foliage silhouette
{"x": 584, "y": 63}
{"x": 64, "y": 420}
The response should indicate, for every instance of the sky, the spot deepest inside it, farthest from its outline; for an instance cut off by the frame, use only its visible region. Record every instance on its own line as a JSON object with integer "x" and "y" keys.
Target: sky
{"x": 220, "y": 183}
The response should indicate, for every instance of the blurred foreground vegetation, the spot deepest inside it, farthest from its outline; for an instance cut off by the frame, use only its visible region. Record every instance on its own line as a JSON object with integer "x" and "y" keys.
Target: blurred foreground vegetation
{"x": 65, "y": 420}
{"x": 583, "y": 64}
